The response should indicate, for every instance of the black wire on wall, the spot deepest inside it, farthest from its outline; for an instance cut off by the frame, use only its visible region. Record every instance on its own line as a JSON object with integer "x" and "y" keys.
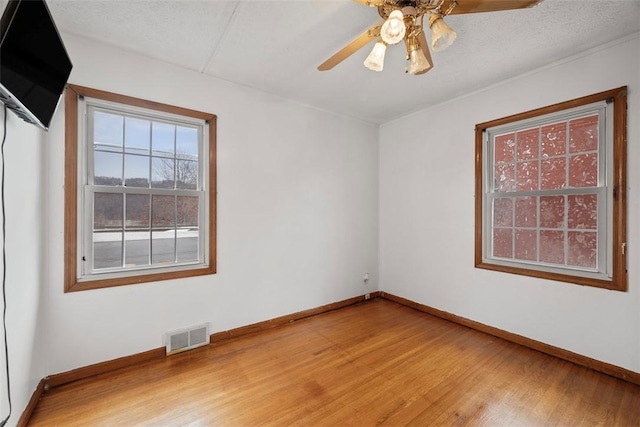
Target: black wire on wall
{"x": 4, "y": 271}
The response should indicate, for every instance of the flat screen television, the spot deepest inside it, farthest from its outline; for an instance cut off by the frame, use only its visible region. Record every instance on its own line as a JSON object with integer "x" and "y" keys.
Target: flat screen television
{"x": 34, "y": 64}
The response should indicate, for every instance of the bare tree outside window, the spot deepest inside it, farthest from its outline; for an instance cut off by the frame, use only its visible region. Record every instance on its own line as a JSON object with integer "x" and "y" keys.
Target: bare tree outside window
{"x": 179, "y": 172}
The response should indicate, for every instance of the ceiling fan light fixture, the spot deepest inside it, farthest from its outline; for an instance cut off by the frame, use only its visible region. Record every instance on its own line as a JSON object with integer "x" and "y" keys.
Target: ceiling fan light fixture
{"x": 442, "y": 36}
{"x": 375, "y": 60}
{"x": 404, "y": 19}
{"x": 393, "y": 29}
{"x": 418, "y": 62}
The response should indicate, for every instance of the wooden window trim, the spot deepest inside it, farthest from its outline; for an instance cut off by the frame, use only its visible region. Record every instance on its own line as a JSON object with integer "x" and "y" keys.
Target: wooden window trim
{"x": 619, "y": 279}
{"x": 71, "y": 283}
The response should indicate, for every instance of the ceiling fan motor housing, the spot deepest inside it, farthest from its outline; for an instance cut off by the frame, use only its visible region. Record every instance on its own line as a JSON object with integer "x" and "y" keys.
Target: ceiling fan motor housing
{"x": 419, "y": 6}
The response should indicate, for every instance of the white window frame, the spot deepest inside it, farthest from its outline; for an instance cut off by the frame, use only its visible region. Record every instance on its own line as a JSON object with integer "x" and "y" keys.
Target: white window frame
{"x": 611, "y": 237}
{"x": 87, "y": 188}
{"x": 79, "y": 256}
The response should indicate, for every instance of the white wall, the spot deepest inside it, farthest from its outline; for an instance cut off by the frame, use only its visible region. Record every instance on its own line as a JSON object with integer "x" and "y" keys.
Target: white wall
{"x": 26, "y": 220}
{"x": 427, "y": 214}
{"x": 297, "y": 215}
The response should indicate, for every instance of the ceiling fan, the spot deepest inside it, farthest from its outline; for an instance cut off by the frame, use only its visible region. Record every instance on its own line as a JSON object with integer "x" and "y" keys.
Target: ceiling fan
{"x": 402, "y": 20}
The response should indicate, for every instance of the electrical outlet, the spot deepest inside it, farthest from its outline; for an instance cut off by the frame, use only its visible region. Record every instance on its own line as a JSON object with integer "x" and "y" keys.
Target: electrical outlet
{"x": 365, "y": 278}
{"x": 367, "y": 296}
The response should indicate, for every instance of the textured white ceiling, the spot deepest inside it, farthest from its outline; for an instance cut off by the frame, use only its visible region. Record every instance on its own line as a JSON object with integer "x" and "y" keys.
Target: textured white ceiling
{"x": 275, "y": 46}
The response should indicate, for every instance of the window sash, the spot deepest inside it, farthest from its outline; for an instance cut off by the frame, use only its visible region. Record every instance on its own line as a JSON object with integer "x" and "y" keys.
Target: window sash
{"x": 603, "y": 260}
{"x": 88, "y": 264}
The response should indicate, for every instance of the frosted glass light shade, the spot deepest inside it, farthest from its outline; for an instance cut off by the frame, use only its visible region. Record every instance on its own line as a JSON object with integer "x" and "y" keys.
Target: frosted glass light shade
{"x": 442, "y": 36}
{"x": 418, "y": 62}
{"x": 393, "y": 29}
{"x": 375, "y": 60}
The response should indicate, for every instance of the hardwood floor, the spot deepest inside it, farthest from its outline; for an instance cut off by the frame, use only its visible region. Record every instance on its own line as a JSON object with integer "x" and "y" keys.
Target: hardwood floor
{"x": 368, "y": 364}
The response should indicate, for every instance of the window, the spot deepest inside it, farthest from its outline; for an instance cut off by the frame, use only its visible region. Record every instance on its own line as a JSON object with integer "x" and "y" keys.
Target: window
{"x": 139, "y": 190}
{"x": 551, "y": 192}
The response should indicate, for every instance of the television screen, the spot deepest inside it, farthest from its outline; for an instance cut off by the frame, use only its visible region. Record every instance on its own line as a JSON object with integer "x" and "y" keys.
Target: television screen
{"x": 34, "y": 65}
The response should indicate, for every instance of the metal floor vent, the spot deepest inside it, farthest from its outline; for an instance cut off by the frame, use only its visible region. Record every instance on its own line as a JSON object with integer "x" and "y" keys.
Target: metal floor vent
{"x": 187, "y": 339}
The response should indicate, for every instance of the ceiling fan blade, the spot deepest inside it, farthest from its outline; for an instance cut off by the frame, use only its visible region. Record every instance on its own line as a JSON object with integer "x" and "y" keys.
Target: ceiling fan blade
{"x": 425, "y": 48}
{"x": 370, "y": 3}
{"x": 476, "y": 6}
{"x": 359, "y": 42}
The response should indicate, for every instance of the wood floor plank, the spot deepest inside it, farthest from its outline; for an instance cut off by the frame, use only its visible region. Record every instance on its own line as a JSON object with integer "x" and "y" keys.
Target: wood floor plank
{"x": 377, "y": 363}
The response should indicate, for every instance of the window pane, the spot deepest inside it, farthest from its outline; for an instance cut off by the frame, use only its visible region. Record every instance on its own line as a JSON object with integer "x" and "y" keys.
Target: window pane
{"x": 107, "y": 230}
{"x": 527, "y": 176}
{"x": 504, "y": 148}
{"x": 187, "y": 174}
{"x": 553, "y": 173}
{"x": 504, "y": 178}
{"x": 107, "y": 211}
{"x": 503, "y": 242}
{"x": 107, "y": 169}
{"x": 187, "y": 211}
{"x": 552, "y": 211}
{"x": 188, "y": 233}
{"x": 107, "y": 130}
{"x": 137, "y": 135}
{"x": 583, "y": 170}
{"x": 136, "y": 248}
{"x": 188, "y": 244}
{"x": 583, "y": 211}
{"x": 163, "y": 246}
{"x": 162, "y": 172}
{"x": 552, "y": 247}
{"x": 527, "y": 212}
{"x": 528, "y": 144}
{"x": 107, "y": 249}
{"x": 187, "y": 141}
{"x": 163, "y": 211}
{"x": 137, "y": 211}
{"x": 583, "y": 249}
{"x": 526, "y": 245}
{"x": 163, "y": 139}
{"x": 136, "y": 171}
{"x": 503, "y": 212}
{"x": 583, "y": 134}
{"x": 554, "y": 139}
